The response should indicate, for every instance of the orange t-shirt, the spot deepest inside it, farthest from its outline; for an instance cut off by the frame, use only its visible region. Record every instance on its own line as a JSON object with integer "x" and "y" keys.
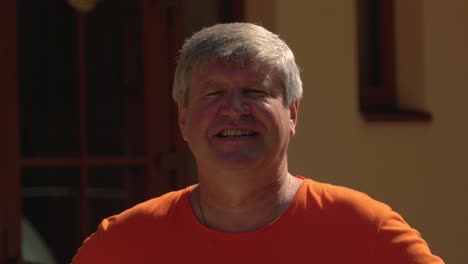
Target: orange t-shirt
{"x": 323, "y": 224}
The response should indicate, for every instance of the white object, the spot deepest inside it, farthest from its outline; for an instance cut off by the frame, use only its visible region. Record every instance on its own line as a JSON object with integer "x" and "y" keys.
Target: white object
{"x": 33, "y": 247}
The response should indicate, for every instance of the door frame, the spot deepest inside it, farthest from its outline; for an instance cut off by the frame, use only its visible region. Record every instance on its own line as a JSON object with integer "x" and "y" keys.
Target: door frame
{"x": 167, "y": 156}
{"x": 10, "y": 202}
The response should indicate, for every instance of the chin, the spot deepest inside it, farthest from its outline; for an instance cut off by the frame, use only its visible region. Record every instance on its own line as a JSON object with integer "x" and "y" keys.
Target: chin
{"x": 236, "y": 161}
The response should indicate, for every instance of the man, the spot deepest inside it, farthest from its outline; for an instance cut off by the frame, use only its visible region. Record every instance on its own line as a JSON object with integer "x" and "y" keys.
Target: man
{"x": 238, "y": 90}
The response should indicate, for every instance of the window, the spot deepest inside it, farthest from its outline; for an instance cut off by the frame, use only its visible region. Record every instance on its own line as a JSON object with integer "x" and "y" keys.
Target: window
{"x": 378, "y": 94}
{"x": 95, "y": 130}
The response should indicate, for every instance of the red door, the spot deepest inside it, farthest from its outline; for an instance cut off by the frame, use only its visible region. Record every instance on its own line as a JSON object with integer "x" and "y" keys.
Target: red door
{"x": 91, "y": 105}
{"x": 89, "y": 127}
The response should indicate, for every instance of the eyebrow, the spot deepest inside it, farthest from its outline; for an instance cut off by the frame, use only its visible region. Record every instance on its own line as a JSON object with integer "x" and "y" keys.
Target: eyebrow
{"x": 264, "y": 82}
{"x": 210, "y": 83}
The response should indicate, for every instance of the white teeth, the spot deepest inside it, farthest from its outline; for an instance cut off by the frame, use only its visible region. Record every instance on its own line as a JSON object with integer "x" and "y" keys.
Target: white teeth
{"x": 236, "y": 133}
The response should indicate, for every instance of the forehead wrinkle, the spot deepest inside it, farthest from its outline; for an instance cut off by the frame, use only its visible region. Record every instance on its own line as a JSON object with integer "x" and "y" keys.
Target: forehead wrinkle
{"x": 260, "y": 75}
{"x": 255, "y": 78}
{"x": 212, "y": 84}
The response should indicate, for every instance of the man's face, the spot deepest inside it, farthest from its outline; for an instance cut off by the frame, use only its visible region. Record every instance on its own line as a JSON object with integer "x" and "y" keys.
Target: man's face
{"x": 235, "y": 117}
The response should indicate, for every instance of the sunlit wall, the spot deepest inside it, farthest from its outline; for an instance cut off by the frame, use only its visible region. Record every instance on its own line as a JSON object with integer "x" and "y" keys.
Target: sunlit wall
{"x": 420, "y": 169}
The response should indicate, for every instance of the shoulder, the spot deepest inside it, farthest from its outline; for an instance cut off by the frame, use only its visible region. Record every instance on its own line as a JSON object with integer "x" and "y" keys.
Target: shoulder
{"x": 155, "y": 209}
{"x": 342, "y": 200}
{"x": 151, "y": 214}
{"x": 344, "y": 212}
{"x": 387, "y": 236}
{"x": 130, "y": 233}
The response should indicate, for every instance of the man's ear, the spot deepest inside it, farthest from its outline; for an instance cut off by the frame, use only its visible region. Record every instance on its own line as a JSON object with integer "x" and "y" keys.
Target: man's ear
{"x": 182, "y": 120}
{"x": 293, "y": 112}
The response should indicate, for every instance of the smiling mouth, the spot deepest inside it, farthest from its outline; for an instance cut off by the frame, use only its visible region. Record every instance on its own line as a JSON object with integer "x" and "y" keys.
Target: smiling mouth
{"x": 236, "y": 133}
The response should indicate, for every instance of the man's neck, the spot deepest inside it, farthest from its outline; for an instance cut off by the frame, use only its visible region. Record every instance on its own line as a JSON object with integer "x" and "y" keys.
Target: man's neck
{"x": 243, "y": 206}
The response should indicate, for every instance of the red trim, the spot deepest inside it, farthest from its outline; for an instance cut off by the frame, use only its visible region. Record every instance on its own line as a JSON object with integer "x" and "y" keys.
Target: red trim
{"x": 387, "y": 46}
{"x": 179, "y": 146}
{"x": 81, "y": 31}
{"x": 231, "y": 10}
{"x": 10, "y": 202}
{"x": 76, "y": 162}
{"x": 238, "y": 10}
{"x": 383, "y": 98}
{"x": 157, "y": 92}
{"x": 398, "y": 117}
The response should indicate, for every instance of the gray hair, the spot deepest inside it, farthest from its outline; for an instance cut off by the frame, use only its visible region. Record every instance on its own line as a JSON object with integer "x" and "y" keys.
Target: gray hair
{"x": 236, "y": 42}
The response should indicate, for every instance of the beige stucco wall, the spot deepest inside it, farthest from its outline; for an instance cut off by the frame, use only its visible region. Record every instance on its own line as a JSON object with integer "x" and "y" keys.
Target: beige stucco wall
{"x": 420, "y": 169}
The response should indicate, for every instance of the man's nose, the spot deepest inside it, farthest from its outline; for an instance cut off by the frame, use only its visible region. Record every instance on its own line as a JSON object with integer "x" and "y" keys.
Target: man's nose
{"x": 236, "y": 105}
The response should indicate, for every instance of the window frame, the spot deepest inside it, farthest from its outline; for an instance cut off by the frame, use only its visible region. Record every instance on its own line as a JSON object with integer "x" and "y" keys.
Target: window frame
{"x": 378, "y": 102}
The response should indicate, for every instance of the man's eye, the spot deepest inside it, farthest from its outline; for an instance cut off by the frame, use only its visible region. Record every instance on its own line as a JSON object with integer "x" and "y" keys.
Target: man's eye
{"x": 256, "y": 92}
{"x": 212, "y": 93}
